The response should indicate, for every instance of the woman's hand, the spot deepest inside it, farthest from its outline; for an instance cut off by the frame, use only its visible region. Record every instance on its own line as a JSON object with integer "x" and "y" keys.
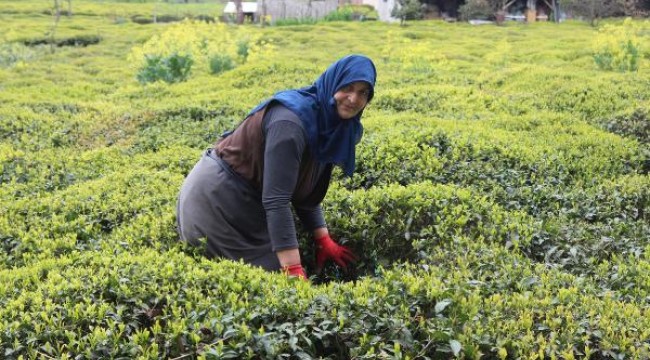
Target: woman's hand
{"x": 328, "y": 249}
{"x": 295, "y": 270}
{"x": 290, "y": 263}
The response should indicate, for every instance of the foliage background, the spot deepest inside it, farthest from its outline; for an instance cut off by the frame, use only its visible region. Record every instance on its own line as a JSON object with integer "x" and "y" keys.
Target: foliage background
{"x": 500, "y": 202}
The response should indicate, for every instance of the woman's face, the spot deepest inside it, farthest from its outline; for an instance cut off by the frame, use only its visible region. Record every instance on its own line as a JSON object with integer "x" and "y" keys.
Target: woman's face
{"x": 351, "y": 99}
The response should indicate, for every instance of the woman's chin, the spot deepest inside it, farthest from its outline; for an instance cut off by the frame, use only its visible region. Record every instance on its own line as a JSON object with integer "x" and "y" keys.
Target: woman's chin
{"x": 346, "y": 115}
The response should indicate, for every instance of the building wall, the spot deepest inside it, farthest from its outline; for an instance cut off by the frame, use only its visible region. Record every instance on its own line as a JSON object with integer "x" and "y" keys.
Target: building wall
{"x": 372, "y": 3}
{"x": 384, "y": 7}
{"x": 296, "y": 9}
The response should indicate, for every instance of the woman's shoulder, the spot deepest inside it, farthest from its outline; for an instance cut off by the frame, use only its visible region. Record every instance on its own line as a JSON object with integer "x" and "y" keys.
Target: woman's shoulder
{"x": 277, "y": 112}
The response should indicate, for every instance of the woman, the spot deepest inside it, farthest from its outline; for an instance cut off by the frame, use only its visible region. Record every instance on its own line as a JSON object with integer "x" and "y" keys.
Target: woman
{"x": 239, "y": 195}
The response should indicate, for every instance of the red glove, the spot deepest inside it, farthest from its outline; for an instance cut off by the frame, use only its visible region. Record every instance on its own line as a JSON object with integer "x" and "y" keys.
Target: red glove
{"x": 327, "y": 249}
{"x": 295, "y": 270}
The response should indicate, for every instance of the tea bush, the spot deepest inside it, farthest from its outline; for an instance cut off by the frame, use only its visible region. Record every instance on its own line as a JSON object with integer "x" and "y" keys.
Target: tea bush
{"x": 80, "y": 40}
{"x": 634, "y": 123}
{"x": 499, "y": 206}
{"x": 12, "y": 54}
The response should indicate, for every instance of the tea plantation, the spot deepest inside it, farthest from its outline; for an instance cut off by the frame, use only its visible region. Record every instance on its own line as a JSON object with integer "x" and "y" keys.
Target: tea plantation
{"x": 500, "y": 205}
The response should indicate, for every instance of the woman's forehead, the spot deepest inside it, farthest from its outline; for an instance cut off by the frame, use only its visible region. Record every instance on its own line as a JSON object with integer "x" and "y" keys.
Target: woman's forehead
{"x": 360, "y": 85}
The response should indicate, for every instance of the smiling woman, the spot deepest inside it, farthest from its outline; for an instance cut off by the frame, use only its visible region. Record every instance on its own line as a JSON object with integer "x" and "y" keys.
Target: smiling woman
{"x": 239, "y": 195}
{"x": 351, "y": 99}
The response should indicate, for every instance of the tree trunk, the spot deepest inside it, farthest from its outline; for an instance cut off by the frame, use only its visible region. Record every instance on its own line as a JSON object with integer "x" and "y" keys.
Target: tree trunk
{"x": 500, "y": 17}
{"x": 69, "y": 8}
{"x": 57, "y": 17}
{"x": 507, "y": 4}
{"x": 593, "y": 15}
{"x": 57, "y": 10}
{"x": 240, "y": 12}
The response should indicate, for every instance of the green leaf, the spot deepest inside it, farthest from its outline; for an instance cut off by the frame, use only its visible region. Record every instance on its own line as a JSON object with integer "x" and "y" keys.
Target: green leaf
{"x": 442, "y": 305}
{"x": 456, "y": 347}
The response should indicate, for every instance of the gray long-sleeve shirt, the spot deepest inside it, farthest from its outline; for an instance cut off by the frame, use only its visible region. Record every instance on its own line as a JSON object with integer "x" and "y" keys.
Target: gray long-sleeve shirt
{"x": 285, "y": 146}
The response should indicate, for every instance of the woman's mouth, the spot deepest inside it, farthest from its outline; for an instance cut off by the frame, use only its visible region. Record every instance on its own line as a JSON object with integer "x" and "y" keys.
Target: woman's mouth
{"x": 348, "y": 108}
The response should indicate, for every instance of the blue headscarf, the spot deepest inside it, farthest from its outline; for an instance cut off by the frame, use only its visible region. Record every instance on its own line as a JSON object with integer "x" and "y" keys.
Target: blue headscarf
{"x": 330, "y": 138}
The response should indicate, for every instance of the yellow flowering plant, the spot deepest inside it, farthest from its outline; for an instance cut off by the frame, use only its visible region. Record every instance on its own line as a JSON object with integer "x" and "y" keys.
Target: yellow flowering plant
{"x": 412, "y": 55}
{"x": 217, "y": 47}
{"x": 617, "y": 47}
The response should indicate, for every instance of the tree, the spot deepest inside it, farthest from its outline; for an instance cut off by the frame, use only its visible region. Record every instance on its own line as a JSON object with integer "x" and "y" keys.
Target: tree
{"x": 635, "y": 7}
{"x": 56, "y": 15}
{"x": 476, "y": 9}
{"x": 407, "y": 10}
{"x": 240, "y": 12}
{"x": 484, "y": 9}
{"x": 592, "y": 10}
{"x": 500, "y": 5}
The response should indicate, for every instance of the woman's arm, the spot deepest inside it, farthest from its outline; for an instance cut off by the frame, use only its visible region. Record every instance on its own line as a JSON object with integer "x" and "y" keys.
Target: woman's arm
{"x": 289, "y": 257}
{"x": 292, "y": 256}
{"x": 320, "y": 232}
{"x": 284, "y": 146}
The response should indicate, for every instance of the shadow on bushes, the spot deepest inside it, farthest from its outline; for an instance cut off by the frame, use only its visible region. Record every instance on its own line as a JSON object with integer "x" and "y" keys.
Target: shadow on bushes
{"x": 144, "y": 20}
{"x": 62, "y": 12}
{"x": 635, "y": 125}
{"x": 80, "y": 40}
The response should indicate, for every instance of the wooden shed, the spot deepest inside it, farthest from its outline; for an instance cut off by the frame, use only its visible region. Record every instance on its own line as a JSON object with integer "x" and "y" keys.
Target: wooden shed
{"x": 524, "y": 10}
{"x": 532, "y": 10}
{"x": 296, "y": 9}
{"x": 248, "y": 8}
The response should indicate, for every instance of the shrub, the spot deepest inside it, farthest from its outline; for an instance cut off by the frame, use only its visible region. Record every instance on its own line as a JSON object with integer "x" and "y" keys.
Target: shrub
{"x": 475, "y": 9}
{"x": 351, "y": 13}
{"x": 171, "y": 69}
{"x": 407, "y": 10}
{"x": 243, "y": 49}
{"x": 407, "y": 223}
{"x": 214, "y": 47}
{"x": 13, "y": 53}
{"x": 617, "y": 47}
{"x": 592, "y": 10}
{"x": 526, "y": 224}
{"x": 295, "y": 21}
{"x": 220, "y": 63}
{"x": 341, "y": 14}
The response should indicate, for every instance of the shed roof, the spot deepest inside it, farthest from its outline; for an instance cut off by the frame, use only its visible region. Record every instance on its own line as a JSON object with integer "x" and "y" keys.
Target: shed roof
{"x": 247, "y": 7}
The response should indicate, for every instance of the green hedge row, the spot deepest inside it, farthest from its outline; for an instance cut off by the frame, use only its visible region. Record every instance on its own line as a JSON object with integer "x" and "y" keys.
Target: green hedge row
{"x": 499, "y": 207}
{"x": 137, "y": 306}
